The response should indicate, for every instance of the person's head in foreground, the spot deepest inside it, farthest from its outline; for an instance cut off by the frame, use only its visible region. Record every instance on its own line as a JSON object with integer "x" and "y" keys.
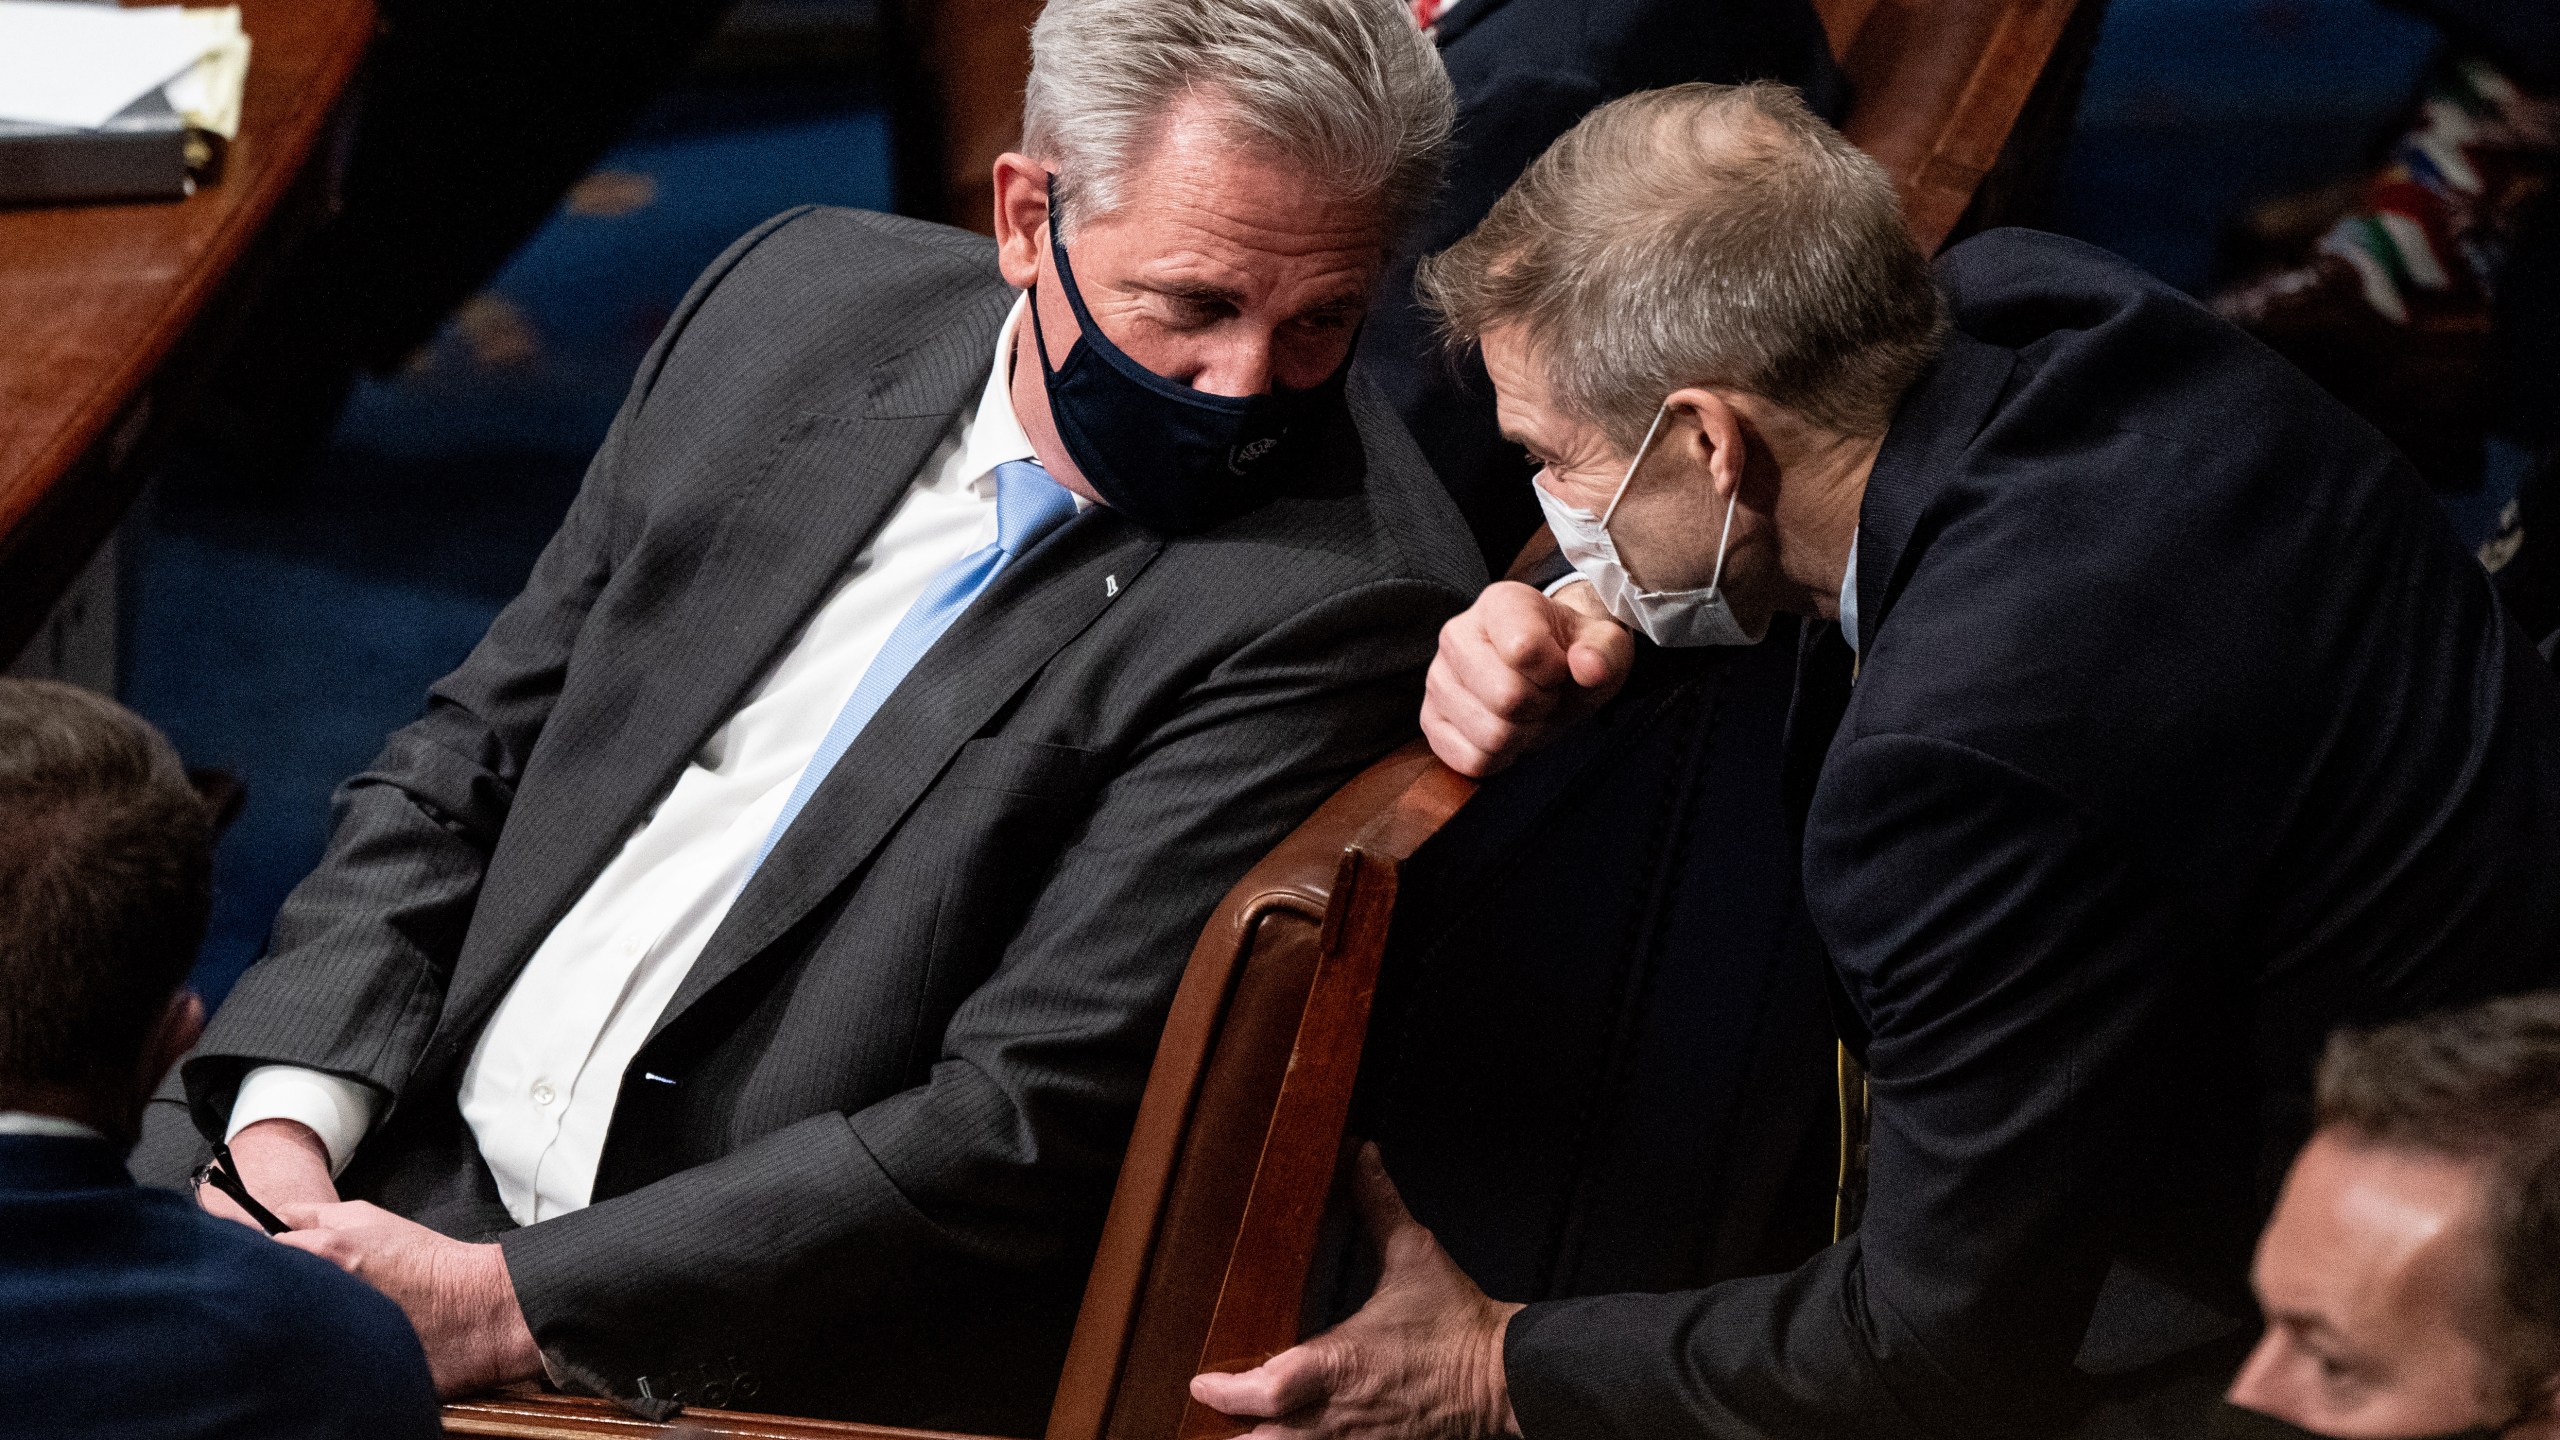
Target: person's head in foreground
{"x": 2411, "y": 1274}
{"x": 1205, "y": 196}
{"x": 106, "y": 862}
{"x": 125, "y": 1311}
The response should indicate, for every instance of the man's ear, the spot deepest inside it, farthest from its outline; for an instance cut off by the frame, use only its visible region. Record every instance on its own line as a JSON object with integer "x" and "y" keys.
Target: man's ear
{"x": 181, "y": 1025}
{"x": 1022, "y": 217}
{"x": 1715, "y": 433}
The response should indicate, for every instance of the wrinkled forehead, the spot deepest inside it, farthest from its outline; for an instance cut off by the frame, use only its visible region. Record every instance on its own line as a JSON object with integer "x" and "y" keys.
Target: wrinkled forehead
{"x": 1200, "y": 185}
{"x": 1528, "y": 408}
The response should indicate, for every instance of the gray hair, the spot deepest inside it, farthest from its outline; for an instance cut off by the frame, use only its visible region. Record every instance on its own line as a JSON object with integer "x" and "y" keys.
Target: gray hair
{"x": 1348, "y": 90}
{"x": 1701, "y": 235}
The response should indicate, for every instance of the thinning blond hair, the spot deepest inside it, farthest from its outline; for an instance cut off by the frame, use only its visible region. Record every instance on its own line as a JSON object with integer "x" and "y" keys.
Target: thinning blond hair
{"x": 1717, "y": 235}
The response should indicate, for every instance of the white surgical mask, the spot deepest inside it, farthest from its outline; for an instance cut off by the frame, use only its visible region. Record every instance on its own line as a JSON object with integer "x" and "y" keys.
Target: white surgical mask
{"x": 1665, "y": 617}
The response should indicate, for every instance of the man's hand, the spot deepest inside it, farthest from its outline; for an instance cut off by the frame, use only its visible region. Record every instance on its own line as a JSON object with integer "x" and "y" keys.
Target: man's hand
{"x": 1518, "y": 668}
{"x": 458, "y": 1296}
{"x": 1421, "y": 1361}
{"x": 282, "y": 1163}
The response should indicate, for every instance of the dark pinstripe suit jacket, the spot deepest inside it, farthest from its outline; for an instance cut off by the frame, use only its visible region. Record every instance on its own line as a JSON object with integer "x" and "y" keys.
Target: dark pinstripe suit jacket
{"x": 907, "y": 1062}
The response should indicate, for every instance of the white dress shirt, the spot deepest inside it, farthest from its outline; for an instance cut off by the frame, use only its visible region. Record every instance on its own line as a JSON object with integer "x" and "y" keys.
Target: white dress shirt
{"x": 540, "y": 1087}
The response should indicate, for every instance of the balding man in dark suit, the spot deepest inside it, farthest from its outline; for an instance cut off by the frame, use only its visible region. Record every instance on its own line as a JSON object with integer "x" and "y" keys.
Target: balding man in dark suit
{"x": 1524, "y": 72}
{"x": 2151, "y": 724}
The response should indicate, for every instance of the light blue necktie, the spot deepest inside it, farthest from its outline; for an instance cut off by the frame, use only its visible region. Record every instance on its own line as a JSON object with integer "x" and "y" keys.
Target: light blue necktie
{"x": 1028, "y": 506}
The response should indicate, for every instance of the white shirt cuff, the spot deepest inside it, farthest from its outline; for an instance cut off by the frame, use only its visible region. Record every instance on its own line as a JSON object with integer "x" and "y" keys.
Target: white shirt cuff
{"x": 338, "y": 1110}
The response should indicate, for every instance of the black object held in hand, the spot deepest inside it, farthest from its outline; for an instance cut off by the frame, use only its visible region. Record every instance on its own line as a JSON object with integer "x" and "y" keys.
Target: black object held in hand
{"x": 223, "y": 1175}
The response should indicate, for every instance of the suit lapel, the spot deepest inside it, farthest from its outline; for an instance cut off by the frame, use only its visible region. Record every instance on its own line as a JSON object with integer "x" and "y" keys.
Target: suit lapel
{"x": 996, "y": 647}
{"x": 1923, "y": 454}
{"x": 1824, "y": 664}
{"x": 828, "y": 485}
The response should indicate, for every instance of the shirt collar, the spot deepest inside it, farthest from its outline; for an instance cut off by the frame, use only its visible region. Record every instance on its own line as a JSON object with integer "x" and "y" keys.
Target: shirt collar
{"x": 995, "y": 434}
{"x": 46, "y": 1154}
{"x": 27, "y": 1122}
{"x": 1849, "y": 596}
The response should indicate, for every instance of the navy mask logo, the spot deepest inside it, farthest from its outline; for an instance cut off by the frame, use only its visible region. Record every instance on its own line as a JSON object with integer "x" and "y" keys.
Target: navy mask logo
{"x": 1173, "y": 459}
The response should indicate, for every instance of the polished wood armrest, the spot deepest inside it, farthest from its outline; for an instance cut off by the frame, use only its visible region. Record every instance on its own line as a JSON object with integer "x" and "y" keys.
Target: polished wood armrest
{"x": 1535, "y": 554}
{"x": 533, "y": 1415}
{"x": 1204, "y": 1255}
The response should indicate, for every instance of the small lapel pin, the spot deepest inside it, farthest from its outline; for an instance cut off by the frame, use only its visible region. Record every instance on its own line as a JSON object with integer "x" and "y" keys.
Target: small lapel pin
{"x": 654, "y": 1075}
{"x": 1110, "y": 585}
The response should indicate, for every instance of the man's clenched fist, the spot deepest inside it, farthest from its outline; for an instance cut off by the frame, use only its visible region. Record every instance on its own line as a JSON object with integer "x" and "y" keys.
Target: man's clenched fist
{"x": 1516, "y": 669}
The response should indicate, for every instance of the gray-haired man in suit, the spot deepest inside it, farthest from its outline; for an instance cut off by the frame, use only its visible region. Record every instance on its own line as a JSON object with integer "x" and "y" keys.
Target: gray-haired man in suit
{"x": 737, "y": 986}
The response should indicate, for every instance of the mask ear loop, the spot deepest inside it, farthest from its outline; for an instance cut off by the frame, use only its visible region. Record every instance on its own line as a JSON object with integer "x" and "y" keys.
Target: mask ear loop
{"x": 1715, "y": 582}
{"x": 1629, "y": 478}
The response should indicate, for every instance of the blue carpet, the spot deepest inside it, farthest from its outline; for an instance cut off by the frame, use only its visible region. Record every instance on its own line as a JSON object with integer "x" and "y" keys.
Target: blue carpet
{"x": 283, "y": 639}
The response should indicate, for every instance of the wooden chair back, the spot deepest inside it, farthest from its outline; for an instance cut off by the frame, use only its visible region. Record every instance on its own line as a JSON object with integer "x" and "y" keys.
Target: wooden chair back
{"x": 1204, "y": 1255}
{"x": 1935, "y": 88}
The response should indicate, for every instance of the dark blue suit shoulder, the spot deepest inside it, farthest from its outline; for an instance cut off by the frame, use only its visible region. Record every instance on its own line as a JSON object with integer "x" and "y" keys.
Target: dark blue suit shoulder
{"x": 132, "y": 1313}
{"x": 324, "y": 1345}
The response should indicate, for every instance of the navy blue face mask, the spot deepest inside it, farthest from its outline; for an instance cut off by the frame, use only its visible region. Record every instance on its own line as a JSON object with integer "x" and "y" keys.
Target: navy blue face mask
{"x": 1174, "y": 459}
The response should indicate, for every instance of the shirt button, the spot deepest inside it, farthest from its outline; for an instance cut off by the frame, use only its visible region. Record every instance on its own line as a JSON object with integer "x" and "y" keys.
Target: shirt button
{"x": 543, "y": 1094}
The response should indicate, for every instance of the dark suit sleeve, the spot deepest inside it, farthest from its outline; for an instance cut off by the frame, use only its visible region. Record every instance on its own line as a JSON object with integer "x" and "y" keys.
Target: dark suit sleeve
{"x": 354, "y": 976}
{"x": 2014, "y": 964}
{"x": 1010, "y": 1145}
